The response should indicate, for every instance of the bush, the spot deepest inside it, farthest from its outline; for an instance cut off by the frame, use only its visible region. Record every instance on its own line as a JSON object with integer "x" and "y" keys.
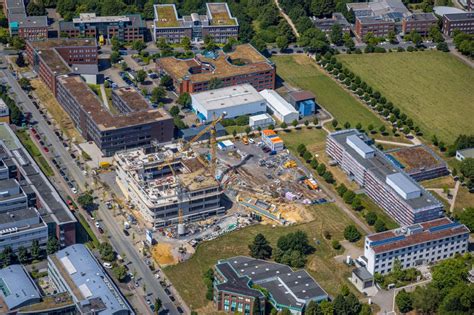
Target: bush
{"x": 351, "y": 233}
{"x": 349, "y": 196}
{"x": 371, "y": 218}
{"x": 380, "y": 226}
{"x": 411, "y": 49}
{"x": 336, "y": 245}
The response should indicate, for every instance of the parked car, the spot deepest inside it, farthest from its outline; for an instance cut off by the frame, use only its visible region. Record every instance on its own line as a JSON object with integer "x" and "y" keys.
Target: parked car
{"x": 107, "y": 265}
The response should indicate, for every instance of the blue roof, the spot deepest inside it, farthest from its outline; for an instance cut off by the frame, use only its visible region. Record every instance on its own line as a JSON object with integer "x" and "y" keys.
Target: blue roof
{"x": 90, "y": 278}
{"x": 17, "y": 288}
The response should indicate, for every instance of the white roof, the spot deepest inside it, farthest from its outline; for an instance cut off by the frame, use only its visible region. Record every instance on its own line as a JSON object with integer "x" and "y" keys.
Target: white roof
{"x": 278, "y": 103}
{"x": 260, "y": 117}
{"x": 227, "y": 143}
{"x": 228, "y": 97}
{"x": 441, "y": 10}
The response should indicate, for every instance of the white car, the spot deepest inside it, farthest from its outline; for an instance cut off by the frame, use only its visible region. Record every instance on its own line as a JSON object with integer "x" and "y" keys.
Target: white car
{"x": 74, "y": 190}
{"x": 251, "y": 141}
{"x": 107, "y": 265}
{"x": 97, "y": 224}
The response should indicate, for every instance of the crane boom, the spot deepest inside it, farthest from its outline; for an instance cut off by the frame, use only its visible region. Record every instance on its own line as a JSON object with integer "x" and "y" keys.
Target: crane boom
{"x": 209, "y": 127}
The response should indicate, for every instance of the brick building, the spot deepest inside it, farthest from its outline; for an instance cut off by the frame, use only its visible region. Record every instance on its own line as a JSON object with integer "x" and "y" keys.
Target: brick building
{"x": 243, "y": 65}
{"x": 458, "y": 21}
{"x": 378, "y": 27}
{"x": 126, "y": 28}
{"x": 217, "y": 23}
{"x": 419, "y": 22}
{"x": 21, "y": 25}
{"x": 326, "y": 24}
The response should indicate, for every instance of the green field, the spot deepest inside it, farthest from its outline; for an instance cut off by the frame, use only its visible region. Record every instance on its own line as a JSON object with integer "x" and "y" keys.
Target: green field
{"x": 187, "y": 276}
{"x": 302, "y": 72}
{"x": 433, "y": 88}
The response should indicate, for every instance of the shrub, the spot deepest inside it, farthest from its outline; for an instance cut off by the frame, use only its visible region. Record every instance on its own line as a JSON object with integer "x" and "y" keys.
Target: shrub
{"x": 351, "y": 233}
{"x": 336, "y": 245}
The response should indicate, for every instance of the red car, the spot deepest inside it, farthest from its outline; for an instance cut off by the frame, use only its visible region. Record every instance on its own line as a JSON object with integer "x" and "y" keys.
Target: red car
{"x": 46, "y": 149}
{"x": 33, "y": 130}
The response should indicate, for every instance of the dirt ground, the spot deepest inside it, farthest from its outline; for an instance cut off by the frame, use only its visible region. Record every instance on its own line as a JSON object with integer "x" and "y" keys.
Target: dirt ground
{"x": 47, "y": 99}
{"x": 295, "y": 213}
{"x": 163, "y": 255}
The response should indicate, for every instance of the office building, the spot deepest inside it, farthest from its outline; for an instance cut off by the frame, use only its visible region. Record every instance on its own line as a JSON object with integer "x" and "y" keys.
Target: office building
{"x": 458, "y": 21}
{"x": 30, "y": 207}
{"x": 237, "y": 100}
{"x": 376, "y": 26}
{"x": 136, "y": 124}
{"x": 279, "y": 107}
{"x": 419, "y": 22}
{"x": 326, "y": 24}
{"x": 147, "y": 180}
{"x": 419, "y": 161}
{"x": 218, "y": 23}
{"x": 76, "y": 271}
{"x": 21, "y": 25}
{"x": 125, "y": 28}
{"x": 383, "y": 181}
{"x": 243, "y": 65}
{"x": 414, "y": 245}
{"x": 17, "y": 289}
{"x": 54, "y": 57}
{"x": 235, "y": 277}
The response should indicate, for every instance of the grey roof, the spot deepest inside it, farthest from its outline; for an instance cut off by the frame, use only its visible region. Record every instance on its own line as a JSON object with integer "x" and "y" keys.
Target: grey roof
{"x": 358, "y": 145}
{"x": 337, "y": 18}
{"x": 460, "y": 16}
{"x": 89, "y": 278}
{"x": 362, "y": 273}
{"x": 381, "y": 167}
{"x": 8, "y": 183}
{"x": 467, "y": 153}
{"x": 403, "y": 182}
{"x": 422, "y": 17}
{"x": 373, "y": 20}
{"x": 17, "y": 288}
{"x": 18, "y": 215}
{"x": 226, "y": 97}
{"x": 189, "y": 133}
{"x": 287, "y": 287}
{"x": 85, "y": 68}
{"x": 236, "y": 283}
{"x": 29, "y": 21}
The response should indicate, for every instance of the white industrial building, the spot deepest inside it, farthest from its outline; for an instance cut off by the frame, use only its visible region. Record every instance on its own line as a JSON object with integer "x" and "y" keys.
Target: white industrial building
{"x": 414, "y": 245}
{"x": 279, "y": 107}
{"x": 235, "y": 100}
{"x": 262, "y": 121}
{"x": 226, "y": 145}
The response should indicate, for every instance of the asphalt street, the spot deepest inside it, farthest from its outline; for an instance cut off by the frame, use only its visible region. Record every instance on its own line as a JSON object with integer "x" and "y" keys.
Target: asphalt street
{"x": 117, "y": 238}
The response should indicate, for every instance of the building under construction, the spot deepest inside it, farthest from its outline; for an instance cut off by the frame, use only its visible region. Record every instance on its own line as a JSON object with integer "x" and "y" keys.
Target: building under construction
{"x": 168, "y": 185}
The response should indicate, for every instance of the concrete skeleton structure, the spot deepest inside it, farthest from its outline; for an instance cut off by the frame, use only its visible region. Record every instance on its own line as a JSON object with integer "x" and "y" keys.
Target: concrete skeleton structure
{"x": 414, "y": 245}
{"x": 237, "y": 100}
{"x": 242, "y": 65}
{"x": 147, "y": 180}
{"x": 75, "y": 270}
{"x": 30, "y": 207}
{"x": 218, "y": 23}
{"x": 383, "y": 181}
{"x": 21, "y": 25}
{"x": 235, "y": 276}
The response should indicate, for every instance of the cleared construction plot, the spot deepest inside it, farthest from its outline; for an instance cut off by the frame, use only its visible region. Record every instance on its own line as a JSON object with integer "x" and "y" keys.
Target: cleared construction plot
{"x": 188, "y": 276}
{"x": 432, "y": 88}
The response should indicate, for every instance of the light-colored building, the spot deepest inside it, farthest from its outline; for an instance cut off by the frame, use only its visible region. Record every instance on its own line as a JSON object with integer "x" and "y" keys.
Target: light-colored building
{"x": 415, "y": 245}
{"x": 262, "y": 121}
{"x": 362, "y": 279}
{"x": 238, "y": 100}
{"x": 4, "y": 112}
{"x": 17, "y": 289}
{"x": 226, "y": 145}
{"x": 465, "y": 154}
{"x": 279, "y": 107}
{"x": 383, "y": 181}
{"x": 272, "y": 140}
{"x": 75, "y": 270}
{"x": 147, "y": 181}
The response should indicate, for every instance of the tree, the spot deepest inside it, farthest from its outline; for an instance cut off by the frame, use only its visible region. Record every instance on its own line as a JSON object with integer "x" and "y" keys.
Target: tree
{"x": 248, "y": 130}
{"x": 115, "y": 57}
{"x": 36, "y": 8}
{"x": 215, "y": 83}
{"x": 35, "y": 250}
{"x": 467, "y": 217}
{"x": 370, "y": 128}
{"x": 404, "y": 301}
{"x": 307, "y": 156}
{"x": 301, "y": 149}
{"x": 294, "y": 123}
{"x": 392, "y": 37}
{"x": 107, "y": 252}
{"x": 174, "y": 111}
{"x": 426, "y": 299}
{"x": 371, "y": 218}
{"x": 120, "y": 272}
{"x": 349, "y": 196}
{"x": 348, "y": 42}
{"x": 157, "y": 94}
{"x": 167, "y": 82}
{"x": 186, "y": 43}
{"x": 359, "y": 126}
{"x": 20, "y": 60}
{"x": 23, "y": 255}
{"x": 282, "y": 42}
{"x": 141, "y": 76}
{"x": 284, "y": 311}
{"x": 416, "y": 38}
{"x": 315, "y": 121}
{"x": 158, "y": 305}
{"x": 351, "y": 233}
{"x": 314, "y": 163}
{"x": 260, "y": 247}
{"x": 321, "y": 169}
{"x": 448, "y": 273}
{"x": 86, "y": 201}
{"x": 313, "y": 308}
{"x": 336, "y": 35}
{"x": 322, "y": 8}
{"x": 283, "y": 125}
{"x": 334, "y": 123}
{"x": 459, "y": 300}
{"x": 356, "y": 204}
{"x": 184, "y": 100}
{"x": 6, "y": 256}
{"x": 138, "y": 45}
{"x": 52, "y": 246}
{"x": 336, "y": 245}
{"x": 25, "y": 84}
{"x": 382, "y": 129}
{"x": 380, "y": 225}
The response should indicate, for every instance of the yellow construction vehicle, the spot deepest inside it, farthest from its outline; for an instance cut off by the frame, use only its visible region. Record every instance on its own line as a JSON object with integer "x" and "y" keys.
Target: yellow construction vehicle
{"x": 245, "y": 140}
{"x": 289, "y": 164}
{"x": 101, "y": 40}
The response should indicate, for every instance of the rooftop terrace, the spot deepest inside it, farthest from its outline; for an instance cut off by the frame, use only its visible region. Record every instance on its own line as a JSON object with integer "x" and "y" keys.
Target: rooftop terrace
{"x": 166, "y": 15}
{"x": 415, "y": 158}
{"x": 220, "y": 14}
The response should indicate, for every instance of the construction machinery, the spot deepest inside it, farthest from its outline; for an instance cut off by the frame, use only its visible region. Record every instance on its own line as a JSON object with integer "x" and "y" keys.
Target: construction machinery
{"x": 289, "y": 164}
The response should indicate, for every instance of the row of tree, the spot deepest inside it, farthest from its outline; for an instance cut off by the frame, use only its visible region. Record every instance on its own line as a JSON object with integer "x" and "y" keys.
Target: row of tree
{"x": 25, "y": 255}
{"x": 16, "y": 115}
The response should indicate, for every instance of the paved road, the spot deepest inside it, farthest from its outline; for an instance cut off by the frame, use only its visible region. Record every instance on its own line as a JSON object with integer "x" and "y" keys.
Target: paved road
{"x": 117, "y": 238}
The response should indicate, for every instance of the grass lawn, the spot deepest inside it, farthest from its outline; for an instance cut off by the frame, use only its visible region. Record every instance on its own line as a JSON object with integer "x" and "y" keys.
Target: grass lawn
{"x": 187, "y": 276}
{"x": 35, "y": 152}
{"x": 440, "y": 182}
{"x": 302, "y": 72}
{"x": 431, "y": 87}
{"x": 369, "y": 205}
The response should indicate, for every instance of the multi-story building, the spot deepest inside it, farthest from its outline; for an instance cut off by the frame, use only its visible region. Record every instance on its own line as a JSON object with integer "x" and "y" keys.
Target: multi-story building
{"x": 235, "y": 277}
{"x": 377, "y": 26}
{"x": 4, "y": 112}
{"x": 76, "y": 271}
{"x": 21, "y": 25}
{"x": 52, "y": 58}
{"x": 419, "y": 22}
{"x": 326, "y": 24}
{"x": 383, "y": 181}
{"x": 458, "y": 21}
{"x": 17, "y": 289}
{"x": 218, "y": 23}
{"x": 113, "y": 132}
{"x": 126, "y": 28}
{"x": 415, "y": 245}
{"x": 148, "y": 181}
{"x": 243, "y": 65}
{"x": 30, "y": 208}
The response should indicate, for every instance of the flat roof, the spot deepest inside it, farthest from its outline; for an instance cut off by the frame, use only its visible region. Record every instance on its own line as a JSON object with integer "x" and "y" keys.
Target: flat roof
{"x": 63, "y": 42}
{"x": 16, "y": 287}
{"x": 132, "y": 98}
{"x": 381, "y": 167}
{"x": 303, "y": 95}
{"x": 401, "y": 181}
{"x": 264, "y": 116}
{"x": 235, "y": 283}
{"x": 442, "y": 10}
{"x": 422, "y": 17}
{"x": 459, "y": 16}
{"x": 87, "y": 275}
{"x": 253, "y": 61}
{"x": 287, "y": 287}
{"x": 54, "y": 61}
{"x": 166, "y": 15}
{"x": 415, "y": 234}
{"x": 228, "y": 97}
{"x": 277, "y": 102}
{"x": 93, "y": 18}
{"x": 219, "y": 14}
{"x": 467, "y": 153}
{"x": 363, "y": 274}
{"x": 415, "y": 158}
{"x": 29, "y": 21}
